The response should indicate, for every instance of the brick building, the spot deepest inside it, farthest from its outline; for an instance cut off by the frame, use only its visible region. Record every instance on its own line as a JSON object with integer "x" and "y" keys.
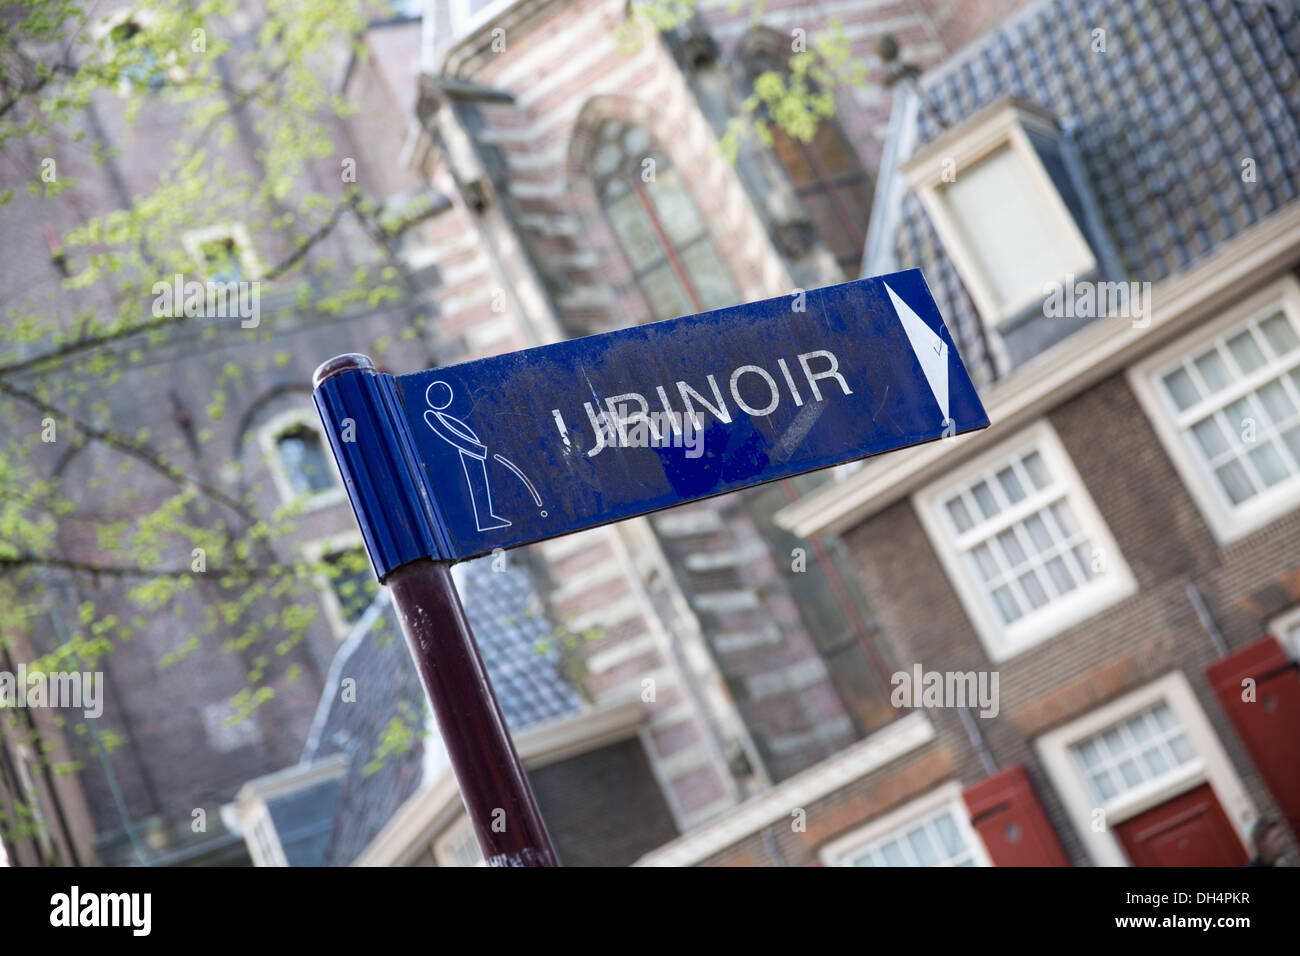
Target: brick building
{"x": 735, "y": 708}
{"x": 1121, "y": 547}
{"x": 538, "y": 122}
{"x": 137, "y": 801}
{"x": 757, "y": 673}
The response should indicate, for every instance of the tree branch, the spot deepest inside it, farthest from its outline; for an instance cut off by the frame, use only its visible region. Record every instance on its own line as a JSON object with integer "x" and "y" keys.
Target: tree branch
{"x": 135, "y": 450}
{"x": 83, "y": 345}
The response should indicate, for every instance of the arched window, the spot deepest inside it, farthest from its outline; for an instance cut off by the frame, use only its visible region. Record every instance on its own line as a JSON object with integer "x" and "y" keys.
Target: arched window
{"x": 302, "y": 453}
{"x": 833, "y": 188}
{"x": 657, "y": 224}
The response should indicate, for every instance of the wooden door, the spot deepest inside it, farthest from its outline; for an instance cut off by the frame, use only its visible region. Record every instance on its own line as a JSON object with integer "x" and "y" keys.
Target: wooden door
{"x": 1189, "y": 830}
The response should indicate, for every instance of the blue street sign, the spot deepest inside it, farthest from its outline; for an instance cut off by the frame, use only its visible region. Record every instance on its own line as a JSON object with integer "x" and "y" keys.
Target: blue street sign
{"x": 454, "y": 462}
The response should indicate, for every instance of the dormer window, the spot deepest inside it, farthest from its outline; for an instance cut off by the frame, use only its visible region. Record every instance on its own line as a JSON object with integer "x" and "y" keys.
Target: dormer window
{"x": 996, "y": 189}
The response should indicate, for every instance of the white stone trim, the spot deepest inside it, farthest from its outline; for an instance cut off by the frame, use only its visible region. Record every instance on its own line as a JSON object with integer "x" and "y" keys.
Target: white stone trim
{"x": 887, "y": 744}
{"x": 193, "y": 240}
{"x": 621, "y": 652}
{"x": 315, "y": 551}
{"x": 460, "y": 830}
{"x": 1212, "y": 765}
{"x": 1279, "y": 628}
{"x": 998, "y": 127}
{"x": 268, "y": 437}
{"x": 1113, "y": 584}
{"x": 945, "y": 796}
{"x": 252, "y": 815}
{"x": 1227, "y": 523}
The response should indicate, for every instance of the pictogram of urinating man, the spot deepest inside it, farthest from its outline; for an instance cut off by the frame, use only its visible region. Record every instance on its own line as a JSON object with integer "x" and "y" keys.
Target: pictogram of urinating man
{"x": 473, "y": 457}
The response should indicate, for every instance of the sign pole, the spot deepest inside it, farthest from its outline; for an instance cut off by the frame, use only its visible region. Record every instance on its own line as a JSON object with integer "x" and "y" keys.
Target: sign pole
{"x": 493, "y": 784}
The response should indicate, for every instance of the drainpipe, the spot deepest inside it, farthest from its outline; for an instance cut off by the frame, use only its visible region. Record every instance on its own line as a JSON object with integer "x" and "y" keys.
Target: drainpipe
{"x": 1207, "y": 622}
{"x": 977, "y": 741}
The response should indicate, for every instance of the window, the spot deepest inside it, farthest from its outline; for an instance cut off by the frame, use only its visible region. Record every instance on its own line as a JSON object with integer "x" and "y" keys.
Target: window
{"x": 1133, "y": 752}
{"x": 124, "y": 40}
{"x": 345, "y": 577}
{"x": 933, "y": 830}
{"x": 303, "y": 455}
{"x": 1227, "y": 404}
{"x": 667, "y": 245}
{"x": 1024, "y": 544}
{"x": 469, "y": 14}
{"x": 224, "y": 253}
{"x": 833, "y": 189}
{"x": 933, "y": 841}
{"x": 352, "y": 582}
{"x": 301, "y": 465}
{"x": 1000, "y": 216}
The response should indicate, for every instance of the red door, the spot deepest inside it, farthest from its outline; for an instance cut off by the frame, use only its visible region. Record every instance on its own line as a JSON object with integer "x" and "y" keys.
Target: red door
{"x": 1007, "y": 814}
{"x": 1189, "y": 830}
{"x": 1268, "y": 721}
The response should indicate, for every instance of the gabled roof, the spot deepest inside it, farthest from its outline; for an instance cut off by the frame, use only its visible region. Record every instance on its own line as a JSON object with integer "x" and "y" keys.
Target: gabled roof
{"x": 1160, "y": 123}
{"x": 508, "y": 623}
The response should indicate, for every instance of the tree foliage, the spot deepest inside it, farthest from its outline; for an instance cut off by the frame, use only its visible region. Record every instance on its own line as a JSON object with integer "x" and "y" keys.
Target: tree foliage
{"x": 164, "y": 524}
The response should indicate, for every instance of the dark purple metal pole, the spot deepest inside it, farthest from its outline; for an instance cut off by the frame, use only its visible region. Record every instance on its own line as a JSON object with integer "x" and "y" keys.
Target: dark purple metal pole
{"x": 492, "y": 781}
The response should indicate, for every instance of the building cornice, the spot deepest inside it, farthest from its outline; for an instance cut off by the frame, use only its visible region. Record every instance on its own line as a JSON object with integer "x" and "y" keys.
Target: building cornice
{"x": 803, "y": 789}
{"x": 1108, "y": 345}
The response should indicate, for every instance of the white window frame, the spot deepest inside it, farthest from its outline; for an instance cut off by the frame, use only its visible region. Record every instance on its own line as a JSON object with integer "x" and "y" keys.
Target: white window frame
{"x": 1227, "y": 523}
{"x": 1210, "y": 765}
{"x": 102, "y": 33}
{"x": 459, "y": 831}
{"x": 1000, "y": 126}
{"x": 945, "y": 797}
{"x": 314, "y": 551}
{"x": 1114, "y": 583}
{"x": 194, "y": 240}
{"x": 263, "y": 839}
{"x": 1280, "y": 625}
{"x": 268, "y": 437}
{"x": 465, "y": 23}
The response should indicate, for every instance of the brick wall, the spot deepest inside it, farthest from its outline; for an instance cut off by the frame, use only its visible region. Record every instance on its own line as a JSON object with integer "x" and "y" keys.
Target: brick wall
{"x": 603, "y": 808}
{"x": 1166, "y": 544}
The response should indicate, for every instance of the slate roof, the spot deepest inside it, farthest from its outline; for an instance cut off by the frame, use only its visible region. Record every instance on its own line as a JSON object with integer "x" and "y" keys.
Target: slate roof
{"x": 508, "y": 622}
{"x": 508, "y": 619}
{"x": 1161, "y": 122}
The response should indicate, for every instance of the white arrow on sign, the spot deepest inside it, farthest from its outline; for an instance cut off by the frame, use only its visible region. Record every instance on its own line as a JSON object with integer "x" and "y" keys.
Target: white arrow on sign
{"x": 931, "y": 351}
